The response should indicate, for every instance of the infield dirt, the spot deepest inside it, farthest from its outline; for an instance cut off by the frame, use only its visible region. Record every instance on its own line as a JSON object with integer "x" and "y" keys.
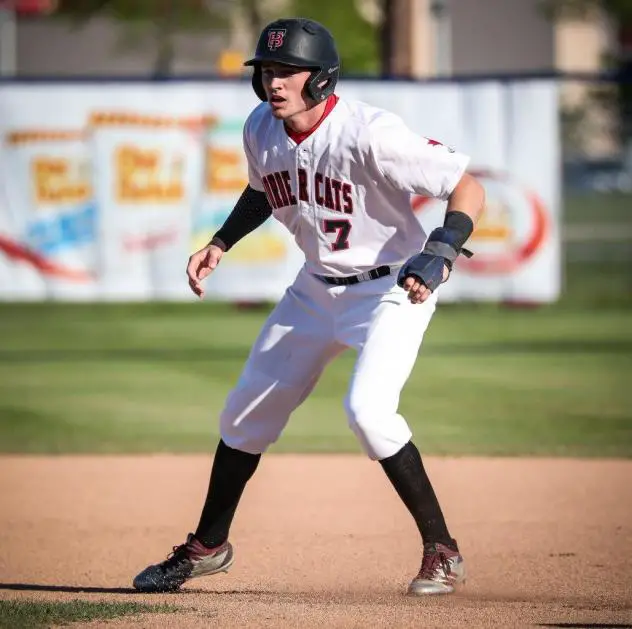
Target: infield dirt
{"x": 323, "y": 541}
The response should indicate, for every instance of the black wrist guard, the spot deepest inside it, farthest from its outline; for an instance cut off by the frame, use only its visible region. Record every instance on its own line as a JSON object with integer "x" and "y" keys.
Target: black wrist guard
{"x": 448, "y": 241}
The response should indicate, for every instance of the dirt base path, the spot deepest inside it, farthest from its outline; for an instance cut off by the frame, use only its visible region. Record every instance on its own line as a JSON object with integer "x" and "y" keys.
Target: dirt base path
{"x": 323, "y": 541}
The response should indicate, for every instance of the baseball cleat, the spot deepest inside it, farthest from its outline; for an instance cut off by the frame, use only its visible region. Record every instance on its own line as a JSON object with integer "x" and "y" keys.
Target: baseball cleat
{"x": 441, "y": 569}
{"x": 187, "y": 561}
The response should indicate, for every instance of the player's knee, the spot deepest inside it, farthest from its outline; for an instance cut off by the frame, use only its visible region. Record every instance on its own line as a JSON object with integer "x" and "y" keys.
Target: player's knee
{"x": 249, "y": 430}
{"x": 354, "y": 406}
{"x": 256, "y": 413}
{"x": 242, "y": 435}
{"x": 362, "y": 417}
{"x": 363, "y": 411}
{"x": 379, "y": 429}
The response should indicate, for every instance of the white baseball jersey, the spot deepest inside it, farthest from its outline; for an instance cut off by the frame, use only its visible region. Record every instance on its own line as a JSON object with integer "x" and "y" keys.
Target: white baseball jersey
{"x": 345, "y": 191}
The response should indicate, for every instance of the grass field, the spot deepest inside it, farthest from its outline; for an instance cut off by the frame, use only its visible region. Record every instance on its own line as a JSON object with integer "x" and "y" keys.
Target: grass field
{"x": 607, "y": 209}
{"x": 598, "y": 227}
{"x": 153, "y": 377}
{"x": 490, "y": 380}
{"x": 27, "y": 614}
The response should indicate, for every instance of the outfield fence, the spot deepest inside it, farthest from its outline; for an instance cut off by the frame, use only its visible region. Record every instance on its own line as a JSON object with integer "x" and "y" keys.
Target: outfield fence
{"x": 107, "y": 186}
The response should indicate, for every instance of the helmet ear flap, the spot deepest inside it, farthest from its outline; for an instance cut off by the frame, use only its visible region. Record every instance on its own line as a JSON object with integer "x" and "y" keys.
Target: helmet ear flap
{"x": 257, "y": 83}
{"x": 312, "y": 85}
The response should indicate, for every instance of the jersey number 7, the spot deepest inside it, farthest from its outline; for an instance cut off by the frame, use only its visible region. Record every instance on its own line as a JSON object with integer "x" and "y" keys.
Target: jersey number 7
{"x": 340, "y": 227}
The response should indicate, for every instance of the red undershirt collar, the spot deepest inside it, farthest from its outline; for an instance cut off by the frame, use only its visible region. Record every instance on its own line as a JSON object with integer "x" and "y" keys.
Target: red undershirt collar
{"x": 332, "y": 99}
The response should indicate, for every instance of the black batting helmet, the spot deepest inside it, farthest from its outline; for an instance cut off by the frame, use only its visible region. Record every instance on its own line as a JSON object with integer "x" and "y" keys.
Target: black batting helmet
{"x": 302, "y": 43}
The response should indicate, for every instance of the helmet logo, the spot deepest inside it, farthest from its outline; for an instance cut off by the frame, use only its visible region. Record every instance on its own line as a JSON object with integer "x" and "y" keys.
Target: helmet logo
{"x": 275, "y": 39}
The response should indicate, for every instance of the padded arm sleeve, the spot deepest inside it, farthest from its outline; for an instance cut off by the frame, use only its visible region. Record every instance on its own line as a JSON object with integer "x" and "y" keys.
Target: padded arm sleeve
{"x": 251, "y": 210}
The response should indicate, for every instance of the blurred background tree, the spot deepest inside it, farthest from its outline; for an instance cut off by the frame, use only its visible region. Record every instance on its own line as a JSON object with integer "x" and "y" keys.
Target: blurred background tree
{"x": 152, "y": 22}
{"x": 355, "y": 24}
{"x": 617, "y": 98}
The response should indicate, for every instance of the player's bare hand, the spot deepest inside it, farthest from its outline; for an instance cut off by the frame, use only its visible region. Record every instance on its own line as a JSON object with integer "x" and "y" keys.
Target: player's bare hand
{"x": 418, "y": 292}
{"x": 201, "y": 264}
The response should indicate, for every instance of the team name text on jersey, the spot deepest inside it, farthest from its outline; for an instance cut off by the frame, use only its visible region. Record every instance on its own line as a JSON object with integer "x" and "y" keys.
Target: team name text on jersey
{"x": 328, "y": 192}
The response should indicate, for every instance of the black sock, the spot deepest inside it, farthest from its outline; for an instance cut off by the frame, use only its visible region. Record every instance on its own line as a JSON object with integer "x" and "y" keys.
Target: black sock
{"x": 406, "y": 472}
{"x": 232, "y": 469}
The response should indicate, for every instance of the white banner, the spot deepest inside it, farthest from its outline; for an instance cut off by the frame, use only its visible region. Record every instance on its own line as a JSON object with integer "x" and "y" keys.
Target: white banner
{"x": 149, "y": 177}
{"x": 48, "y": 221}
{"x": 107, "y": 188}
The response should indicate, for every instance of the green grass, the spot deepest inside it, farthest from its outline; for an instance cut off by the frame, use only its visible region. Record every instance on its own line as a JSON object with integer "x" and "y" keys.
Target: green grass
{"x": 597, "y": 286}
{"x": 598, "y": 230}
{"x": 597, "y": 207}
{"x": 153, "y": 377}
{"x": 490, "y": 380}
{"x": 26, "y": 614}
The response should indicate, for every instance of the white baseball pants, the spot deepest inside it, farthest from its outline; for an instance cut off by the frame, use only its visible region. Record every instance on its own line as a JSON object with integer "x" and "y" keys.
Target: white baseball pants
{"x": 312, "y": 324}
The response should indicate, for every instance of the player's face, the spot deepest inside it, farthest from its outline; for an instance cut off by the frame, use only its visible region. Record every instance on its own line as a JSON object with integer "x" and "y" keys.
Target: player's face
{"x": 284, "y": 88}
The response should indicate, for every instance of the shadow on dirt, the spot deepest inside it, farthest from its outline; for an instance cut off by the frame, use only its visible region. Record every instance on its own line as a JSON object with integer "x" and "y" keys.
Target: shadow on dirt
{"x": 592, "y": 625}
{"x": 37, "y": 587}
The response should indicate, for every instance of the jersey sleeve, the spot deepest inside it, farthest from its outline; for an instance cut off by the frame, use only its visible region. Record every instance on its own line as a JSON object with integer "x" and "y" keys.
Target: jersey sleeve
{"x": 414, "y": 163}
{"x": 254, "y": 176}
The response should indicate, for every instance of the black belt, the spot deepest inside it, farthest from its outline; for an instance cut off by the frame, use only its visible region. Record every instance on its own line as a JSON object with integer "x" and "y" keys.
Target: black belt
{"x": 373, "y": 274}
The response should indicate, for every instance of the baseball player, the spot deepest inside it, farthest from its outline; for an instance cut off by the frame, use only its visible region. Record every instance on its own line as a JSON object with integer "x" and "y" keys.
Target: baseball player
{"x": 339, "y": 175}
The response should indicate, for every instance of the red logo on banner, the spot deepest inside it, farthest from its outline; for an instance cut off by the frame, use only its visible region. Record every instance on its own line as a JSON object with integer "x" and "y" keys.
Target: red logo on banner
{"x": 20, "y": 253}
{"x": 275, "y": 39}
{"x": 513, "y": 228}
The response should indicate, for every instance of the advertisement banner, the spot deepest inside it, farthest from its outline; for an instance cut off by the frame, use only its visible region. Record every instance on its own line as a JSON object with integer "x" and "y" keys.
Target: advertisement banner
{"x": 48, "y": 224}
{"x": 107, "y": 188}
{"x": 149, "y": 177}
